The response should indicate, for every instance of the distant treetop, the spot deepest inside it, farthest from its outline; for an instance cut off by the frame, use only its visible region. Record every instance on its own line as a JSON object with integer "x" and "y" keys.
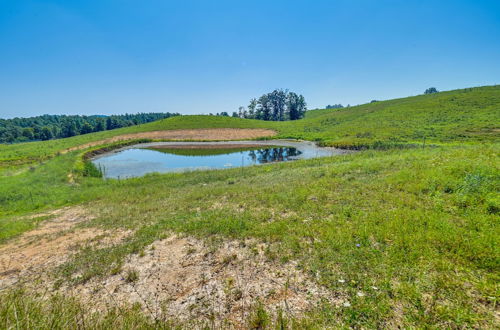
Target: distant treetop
{"x": 334, "y": 106}
{"x": 431, "y": 90}
{"x": 279, "y": 105}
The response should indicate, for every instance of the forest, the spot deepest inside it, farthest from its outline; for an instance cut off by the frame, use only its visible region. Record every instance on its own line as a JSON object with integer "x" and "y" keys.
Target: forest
{"x": 278, "y": 105}
{"x": 49, "y": 127}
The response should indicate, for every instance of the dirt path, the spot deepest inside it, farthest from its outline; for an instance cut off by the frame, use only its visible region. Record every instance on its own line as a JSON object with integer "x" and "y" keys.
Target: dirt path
{"x": 213, "y": 134}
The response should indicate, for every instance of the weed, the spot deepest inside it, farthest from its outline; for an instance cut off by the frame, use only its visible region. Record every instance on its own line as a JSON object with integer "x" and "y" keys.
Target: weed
{"x": 131, "y": 276}
{"x": 260, "y": 318}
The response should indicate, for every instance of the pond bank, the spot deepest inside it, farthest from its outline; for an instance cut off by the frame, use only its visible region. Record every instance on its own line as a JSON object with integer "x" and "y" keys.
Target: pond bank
{"x": 143, "y": 158}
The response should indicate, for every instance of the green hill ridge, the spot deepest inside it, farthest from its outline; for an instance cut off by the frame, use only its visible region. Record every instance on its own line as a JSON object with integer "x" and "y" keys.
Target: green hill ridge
{"x": 463, "y": 116}
{"x": 404, "y": 234}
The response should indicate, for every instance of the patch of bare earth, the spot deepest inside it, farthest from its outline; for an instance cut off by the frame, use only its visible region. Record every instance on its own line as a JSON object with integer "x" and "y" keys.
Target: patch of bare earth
{"x": 212, "y": 134}
{"x": 207, "y": 146}
{"x": 35, "y": 252}
{"x": 183, "y": 279}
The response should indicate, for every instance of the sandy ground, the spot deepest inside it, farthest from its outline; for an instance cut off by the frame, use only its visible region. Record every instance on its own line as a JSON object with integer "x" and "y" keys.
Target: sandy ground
{"x": 30, "y": 255}
{"x": 182, "y": 278}
{"x": 179, "y": 278}
{"x": 214, "y": 134}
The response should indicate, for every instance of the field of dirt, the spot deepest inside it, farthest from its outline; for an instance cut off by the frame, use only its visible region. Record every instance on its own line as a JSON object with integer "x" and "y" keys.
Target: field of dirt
{"x": 213, "y": 134}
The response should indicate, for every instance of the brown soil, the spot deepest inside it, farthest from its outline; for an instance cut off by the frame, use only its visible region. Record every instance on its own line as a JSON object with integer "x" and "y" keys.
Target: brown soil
{"x": 214, "y": 134}
{"x": 181, "y": 279}
{"x": 206, "y": 146}
{"x": 47, "y": 246}
{"x": 184, "y": 279}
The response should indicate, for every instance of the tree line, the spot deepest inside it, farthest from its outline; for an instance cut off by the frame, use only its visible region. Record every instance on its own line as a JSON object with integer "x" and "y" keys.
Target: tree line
{"x": 279, "y": 105}
{"x": 334, "y": 106}
{"x": 49, "y": 127}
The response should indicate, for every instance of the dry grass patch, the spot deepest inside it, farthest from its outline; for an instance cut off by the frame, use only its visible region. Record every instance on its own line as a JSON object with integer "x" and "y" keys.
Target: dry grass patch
{"x": 214, "y": 134}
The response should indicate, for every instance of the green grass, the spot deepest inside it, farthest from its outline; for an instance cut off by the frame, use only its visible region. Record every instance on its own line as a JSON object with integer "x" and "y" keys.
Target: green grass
{"x": 467, "y": 116}
{"x": 414, "y": 229}
{"x": 20, "y": 310}
{"x": 33, "y": 152}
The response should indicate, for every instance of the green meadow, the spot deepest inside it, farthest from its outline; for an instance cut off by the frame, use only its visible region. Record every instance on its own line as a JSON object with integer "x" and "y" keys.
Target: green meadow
{"x": 411, "y": 219}
{"x": 462, "y": 116}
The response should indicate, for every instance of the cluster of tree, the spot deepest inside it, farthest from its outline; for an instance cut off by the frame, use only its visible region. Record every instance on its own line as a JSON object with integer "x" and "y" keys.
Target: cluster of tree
{"x": 431, "y": 90}
{"x": 334, "y": 106}
{"x": 222, "y": 114}
{"x": 273, "y": 154}
{"x": 48, "y": 127}
{"x": 279, "y": 105}
{"x": 226, "y": 114}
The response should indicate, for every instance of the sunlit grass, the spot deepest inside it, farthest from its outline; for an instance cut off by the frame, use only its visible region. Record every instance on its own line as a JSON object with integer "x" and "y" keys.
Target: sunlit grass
{"x": 465, "y": 116}
{"x": 409, "y": 235}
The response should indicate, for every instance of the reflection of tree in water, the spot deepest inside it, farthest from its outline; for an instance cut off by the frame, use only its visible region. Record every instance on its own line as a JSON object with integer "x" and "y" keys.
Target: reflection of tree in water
{"x": 273, "y": 154}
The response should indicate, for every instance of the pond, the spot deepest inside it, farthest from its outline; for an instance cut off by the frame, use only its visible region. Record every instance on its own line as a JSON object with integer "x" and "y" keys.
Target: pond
{"x": 140, "y": 159}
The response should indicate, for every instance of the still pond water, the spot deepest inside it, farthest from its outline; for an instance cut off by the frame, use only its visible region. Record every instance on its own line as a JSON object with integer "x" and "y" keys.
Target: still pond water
{"x": 161, "y": 157}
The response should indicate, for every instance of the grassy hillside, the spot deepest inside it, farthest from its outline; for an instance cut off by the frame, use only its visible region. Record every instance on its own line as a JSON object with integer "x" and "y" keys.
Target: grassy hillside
{"x": 21, "y": 153}
{"x": 407, "y": 236}
{"x": 466, "y": 115}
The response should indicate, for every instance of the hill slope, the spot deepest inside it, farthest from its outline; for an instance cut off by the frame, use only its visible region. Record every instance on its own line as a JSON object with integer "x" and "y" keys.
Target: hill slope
{"x": 466, "y": 115}
{"x": 402, "y": 238}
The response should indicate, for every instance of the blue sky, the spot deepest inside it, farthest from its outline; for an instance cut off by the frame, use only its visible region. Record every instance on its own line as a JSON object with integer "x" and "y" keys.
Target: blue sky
{"x": 117, "y": 56}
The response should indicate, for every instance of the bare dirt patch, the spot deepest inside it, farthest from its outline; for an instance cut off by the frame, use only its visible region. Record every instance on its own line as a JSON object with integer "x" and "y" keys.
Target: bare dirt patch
{"x": 186, "y": 280}
{"x": 47, "y": 246}
{"x": 207, "y": 146}
{"x": 214, "y": 134}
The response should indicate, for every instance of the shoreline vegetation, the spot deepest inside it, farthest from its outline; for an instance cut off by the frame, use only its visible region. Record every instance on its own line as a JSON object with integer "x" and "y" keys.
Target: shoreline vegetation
{"x": 402, "y": 234}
